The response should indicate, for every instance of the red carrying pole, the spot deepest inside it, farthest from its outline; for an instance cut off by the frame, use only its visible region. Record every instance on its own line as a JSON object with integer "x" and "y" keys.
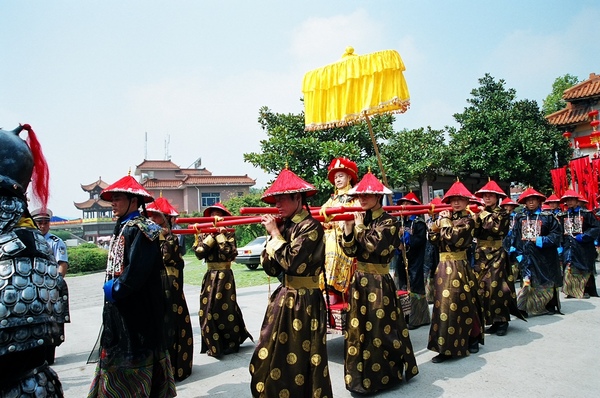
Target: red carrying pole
{"x": 211, "y": 230}
{"x": 345, "y": 216}
{"x": 190, "y": 220}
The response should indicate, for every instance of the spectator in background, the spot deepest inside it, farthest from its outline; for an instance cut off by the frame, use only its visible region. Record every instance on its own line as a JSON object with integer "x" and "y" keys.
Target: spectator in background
{"x": 59, "y": 249}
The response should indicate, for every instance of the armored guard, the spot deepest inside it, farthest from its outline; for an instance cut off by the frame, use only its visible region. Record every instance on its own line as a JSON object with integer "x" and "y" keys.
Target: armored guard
{"x": 32, "y": 309}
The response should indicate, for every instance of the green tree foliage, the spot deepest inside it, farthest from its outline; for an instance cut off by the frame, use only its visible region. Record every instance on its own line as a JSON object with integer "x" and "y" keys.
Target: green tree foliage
{"x": 308, "y": 153}
{"x": 554, "y": 102}
{"x": 505, "y": 139}
{"x": 246, "y": 233}
{"x": 414, "y": 156}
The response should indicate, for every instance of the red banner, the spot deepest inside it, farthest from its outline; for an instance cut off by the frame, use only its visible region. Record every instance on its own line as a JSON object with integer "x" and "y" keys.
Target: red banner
{"x": 559, "y": 180}
{"x": 596, "y": 177}
{"x": 582, "y": 177}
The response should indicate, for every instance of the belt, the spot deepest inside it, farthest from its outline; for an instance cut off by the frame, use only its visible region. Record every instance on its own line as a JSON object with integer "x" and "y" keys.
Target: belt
{"x": 494, "y": 244}
{"x": 372, "y": 268}
{"x": 219, "y": 265}
{"x": 453, "y": 256}
{"x": 299, "y": 282}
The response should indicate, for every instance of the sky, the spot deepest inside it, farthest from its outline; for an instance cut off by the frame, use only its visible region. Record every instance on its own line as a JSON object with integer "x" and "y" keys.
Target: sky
{"x": 106, "y": 84}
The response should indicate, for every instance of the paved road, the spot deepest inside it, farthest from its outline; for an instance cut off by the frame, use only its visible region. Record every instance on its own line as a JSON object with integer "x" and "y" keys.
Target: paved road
{"x": 548, "y": 356}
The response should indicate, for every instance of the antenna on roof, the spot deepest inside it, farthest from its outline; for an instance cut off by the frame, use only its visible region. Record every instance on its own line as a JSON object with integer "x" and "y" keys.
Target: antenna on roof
{"x": 167, "y": 142}
{"x": 145, "y": 145}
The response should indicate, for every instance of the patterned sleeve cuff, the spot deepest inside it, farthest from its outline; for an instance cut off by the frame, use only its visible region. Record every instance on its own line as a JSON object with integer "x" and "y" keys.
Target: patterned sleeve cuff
{"x": 274, "y": 244}
{"x": 445, "y": 222}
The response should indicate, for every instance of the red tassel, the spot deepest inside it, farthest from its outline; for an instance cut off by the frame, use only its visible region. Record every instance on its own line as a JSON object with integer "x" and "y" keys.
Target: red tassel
{"x": 40, "y": 178}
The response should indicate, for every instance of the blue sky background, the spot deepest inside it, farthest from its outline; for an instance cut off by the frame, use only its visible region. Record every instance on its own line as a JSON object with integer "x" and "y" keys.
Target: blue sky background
{"x": 92, "y": 77}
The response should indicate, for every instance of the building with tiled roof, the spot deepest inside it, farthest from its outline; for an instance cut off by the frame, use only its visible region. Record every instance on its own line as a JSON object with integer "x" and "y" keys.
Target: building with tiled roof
{"x": 583, "y": 102}
{"x": 97, "y": 221}
{"x": 190, "y": 189}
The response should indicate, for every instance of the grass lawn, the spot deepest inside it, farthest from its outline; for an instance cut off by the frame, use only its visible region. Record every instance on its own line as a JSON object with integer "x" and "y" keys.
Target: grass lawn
{"x": 195, "y": 269}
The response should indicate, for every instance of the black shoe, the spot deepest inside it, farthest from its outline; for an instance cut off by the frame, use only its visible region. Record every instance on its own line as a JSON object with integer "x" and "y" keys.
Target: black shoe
{"x": 440, "y": 358}
{"x": 492, "y": 329}
{"x": 474, "y": 347}
{"x": 502, "y": 329}
{"x": 569, "y": 296}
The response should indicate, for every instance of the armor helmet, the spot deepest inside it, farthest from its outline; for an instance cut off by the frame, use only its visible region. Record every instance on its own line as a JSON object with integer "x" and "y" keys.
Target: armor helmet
{"x": 16, "y": 162}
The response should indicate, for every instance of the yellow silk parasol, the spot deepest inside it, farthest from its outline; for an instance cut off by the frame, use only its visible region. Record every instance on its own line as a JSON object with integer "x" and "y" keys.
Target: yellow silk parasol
{"x": 353, "y": 89}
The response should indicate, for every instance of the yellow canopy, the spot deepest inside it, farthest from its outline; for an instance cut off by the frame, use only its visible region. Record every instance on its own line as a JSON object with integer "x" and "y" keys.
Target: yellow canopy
{"x": 354, "y": 88}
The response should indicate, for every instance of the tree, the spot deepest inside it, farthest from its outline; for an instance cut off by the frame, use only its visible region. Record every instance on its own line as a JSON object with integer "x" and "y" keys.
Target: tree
{"x": 505, "y": 139}
{"x": 246, "y": 233}
{"x": 414, "y": 156}
{"x": 554, "y": 102}
{"x": 308, "y": 153}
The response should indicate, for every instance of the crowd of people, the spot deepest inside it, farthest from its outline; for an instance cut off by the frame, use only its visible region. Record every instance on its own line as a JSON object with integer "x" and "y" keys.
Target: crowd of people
{"x": 457, "y": 266}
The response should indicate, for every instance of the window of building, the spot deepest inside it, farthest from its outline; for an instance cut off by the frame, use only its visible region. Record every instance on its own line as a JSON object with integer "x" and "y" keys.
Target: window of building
{"x": 210, "y": 198}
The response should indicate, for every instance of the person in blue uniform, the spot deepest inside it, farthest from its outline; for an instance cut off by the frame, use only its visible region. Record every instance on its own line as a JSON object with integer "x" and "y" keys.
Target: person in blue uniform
{"x": 42, "y": 218}
{"x": 536, "y": 237}
{"x": 580, "y": 230}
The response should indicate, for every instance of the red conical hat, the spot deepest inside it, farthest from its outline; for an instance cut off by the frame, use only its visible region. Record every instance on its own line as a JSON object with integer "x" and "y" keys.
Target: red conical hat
{"x": 508, "y": 201}
{"x": 410, "y": 197}
{"x": 528, "y": 193}
{"x": 457, "y": 189}
{"x": 569, "y": 193}
{"x": 342, "y": 164}
{"x": 287, "y": 182}
{"x": 436, "y": 201}
{"x": 162, "y": 205}
{"x": 491, "y": 187}
{"x": 218, "y": 206}
{"x": 582, "y": 199}
{"x": 127, "y": 184}
{"x": 369, "y": 185}
{"x": 476, "y": 201}
{"x": 552, "y": 199}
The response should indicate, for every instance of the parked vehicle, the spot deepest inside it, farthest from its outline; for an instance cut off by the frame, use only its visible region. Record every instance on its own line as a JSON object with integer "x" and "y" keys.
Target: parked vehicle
{"x": 249, "y": 255}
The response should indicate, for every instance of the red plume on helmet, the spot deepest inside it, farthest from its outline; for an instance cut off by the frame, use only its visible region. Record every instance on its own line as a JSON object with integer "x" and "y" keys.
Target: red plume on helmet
{"x": 22, "y": 162}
